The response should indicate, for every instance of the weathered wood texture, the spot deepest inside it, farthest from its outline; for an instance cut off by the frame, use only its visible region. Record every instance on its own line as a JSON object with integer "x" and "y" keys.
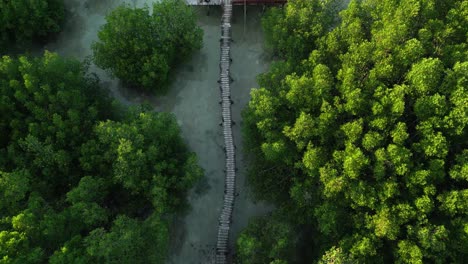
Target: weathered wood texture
{"x": 204, "y": 2}
{"x": 236, "y": 2}
{"x": 222, "y": 247}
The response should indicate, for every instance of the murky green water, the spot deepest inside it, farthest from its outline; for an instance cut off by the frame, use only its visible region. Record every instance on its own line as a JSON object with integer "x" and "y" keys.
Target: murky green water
{"x": 193, "y": 98}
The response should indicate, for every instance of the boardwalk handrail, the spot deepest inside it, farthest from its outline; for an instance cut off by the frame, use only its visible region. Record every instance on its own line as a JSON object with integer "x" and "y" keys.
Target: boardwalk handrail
{"x": 222, "y": 247}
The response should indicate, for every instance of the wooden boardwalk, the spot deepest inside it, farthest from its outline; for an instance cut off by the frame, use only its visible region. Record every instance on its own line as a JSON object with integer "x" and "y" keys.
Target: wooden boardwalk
{"x": 235, "y": 2}
{"x": 222, "y": 246}
{"x": 204, "y": 2}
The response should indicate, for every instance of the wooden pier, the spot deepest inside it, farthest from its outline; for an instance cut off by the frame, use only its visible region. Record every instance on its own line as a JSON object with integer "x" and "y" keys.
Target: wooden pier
{"x": 222, "y": 246}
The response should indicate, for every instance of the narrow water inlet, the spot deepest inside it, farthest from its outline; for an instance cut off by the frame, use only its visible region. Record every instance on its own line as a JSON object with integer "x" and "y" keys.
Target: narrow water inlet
{"x": 197, "y": 242}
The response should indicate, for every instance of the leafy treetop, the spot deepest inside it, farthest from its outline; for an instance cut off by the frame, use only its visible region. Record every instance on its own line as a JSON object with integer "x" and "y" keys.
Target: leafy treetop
{"x": 141, "y": 47}
{"x": 361, "y": 136}
{"x": 83, "y": 181}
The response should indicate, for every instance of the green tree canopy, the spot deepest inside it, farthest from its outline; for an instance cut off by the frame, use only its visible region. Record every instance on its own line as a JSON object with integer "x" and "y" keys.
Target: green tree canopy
{"x": 267, "y": 239}
{"x": 83, "y": 181}
{"x": 362, "y": 136}
{"x": 140, "y": 46}
{"x": 22, "y": 21}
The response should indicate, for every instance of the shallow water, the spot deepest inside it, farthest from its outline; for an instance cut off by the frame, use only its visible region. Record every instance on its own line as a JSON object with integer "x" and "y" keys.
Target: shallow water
{"x": 193, "y": 98}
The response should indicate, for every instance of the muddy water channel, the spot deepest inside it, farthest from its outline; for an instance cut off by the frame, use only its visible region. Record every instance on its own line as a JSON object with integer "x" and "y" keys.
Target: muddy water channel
{"x": 193, "y": 98}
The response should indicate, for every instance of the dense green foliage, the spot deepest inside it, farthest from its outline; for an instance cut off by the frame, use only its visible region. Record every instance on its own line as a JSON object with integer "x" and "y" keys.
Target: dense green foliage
{"x": 22, "y": 21}
{"x": 268, "y": 238}
{"x": 359, "y": 134}
{"x": 80, "y": 180}
{"x": 141, "y": 47}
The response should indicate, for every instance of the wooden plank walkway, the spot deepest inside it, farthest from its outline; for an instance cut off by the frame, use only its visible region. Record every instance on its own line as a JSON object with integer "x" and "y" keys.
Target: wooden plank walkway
{"x": 236, "y": 2}
{"x": 204, "y": 2}
{"x": 222, "y": 246}
{"x": 259, "y": 2}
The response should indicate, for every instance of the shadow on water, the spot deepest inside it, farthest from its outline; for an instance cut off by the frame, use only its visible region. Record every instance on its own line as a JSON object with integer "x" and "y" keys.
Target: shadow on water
{"x": 178, "y": 225}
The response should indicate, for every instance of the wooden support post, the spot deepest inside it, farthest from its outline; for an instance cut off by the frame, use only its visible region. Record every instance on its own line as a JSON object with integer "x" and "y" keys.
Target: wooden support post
{"x": 245, "y": 15}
